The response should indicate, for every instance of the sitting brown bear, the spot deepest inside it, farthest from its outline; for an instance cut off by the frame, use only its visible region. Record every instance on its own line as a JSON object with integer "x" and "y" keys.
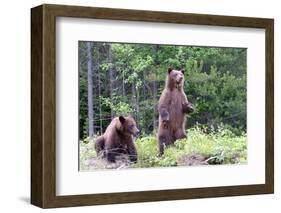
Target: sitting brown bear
{"x": 173, "y": 105}
{"x": 118, "y": 139}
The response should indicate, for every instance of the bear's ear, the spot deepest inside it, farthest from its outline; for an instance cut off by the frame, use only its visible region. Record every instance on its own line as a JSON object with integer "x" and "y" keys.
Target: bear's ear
{"x": 182, "y": 71}
{"x": 122, "y": 119}
{"x": 169, "y": 70}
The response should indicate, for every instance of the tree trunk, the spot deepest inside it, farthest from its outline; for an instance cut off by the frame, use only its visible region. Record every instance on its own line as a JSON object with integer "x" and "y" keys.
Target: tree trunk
{"x": 137, "y": 103}
{"x": 123, "y": 87}
{"x": 134, "y": 103}
{"x": 90, "y": 90}
{"x": 111, "y": 76}
{"x": 154, "y": 89}
{"x": 135, "y": 100}
{"x": 154, "y": 103}
{"x": 99, "y": 86}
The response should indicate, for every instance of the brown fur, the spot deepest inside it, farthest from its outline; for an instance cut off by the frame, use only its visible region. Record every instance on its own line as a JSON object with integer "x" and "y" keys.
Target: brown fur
{"x": 173, "y": 105}
{"x": 118, "y": 139}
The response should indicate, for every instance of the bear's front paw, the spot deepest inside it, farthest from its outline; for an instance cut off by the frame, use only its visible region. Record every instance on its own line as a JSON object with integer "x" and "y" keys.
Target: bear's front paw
{"x": 165, "y": 123}
{"x": 188, "y": 107}
{"x": 133, "y": 158}
{"x": 165, "y": 115}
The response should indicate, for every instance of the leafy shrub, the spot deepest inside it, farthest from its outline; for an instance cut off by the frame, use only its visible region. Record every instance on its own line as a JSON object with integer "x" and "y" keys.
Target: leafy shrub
{"x": 221, "y": 145}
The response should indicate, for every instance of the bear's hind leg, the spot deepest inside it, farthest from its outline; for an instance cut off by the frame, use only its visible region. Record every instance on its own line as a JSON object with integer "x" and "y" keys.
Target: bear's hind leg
{"x": 99, "y": 146}
{"x": 110, "y": 155}
{"x": 164, "y": 140}
{"x": 180, "y": 134}
{"x": 132, "y": 151}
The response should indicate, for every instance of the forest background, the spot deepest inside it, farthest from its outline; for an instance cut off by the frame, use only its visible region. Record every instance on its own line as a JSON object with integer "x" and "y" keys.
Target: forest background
{"x": 117, "y": 79}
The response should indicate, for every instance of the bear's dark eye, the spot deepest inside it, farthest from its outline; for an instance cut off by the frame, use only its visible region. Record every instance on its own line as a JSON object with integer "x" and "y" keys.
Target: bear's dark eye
{"x": 132, "y": 126}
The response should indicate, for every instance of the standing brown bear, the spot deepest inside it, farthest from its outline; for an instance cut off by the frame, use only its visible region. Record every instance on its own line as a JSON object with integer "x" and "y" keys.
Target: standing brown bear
{"x": 173, "y": 105}
{"x": 118, "y": 139}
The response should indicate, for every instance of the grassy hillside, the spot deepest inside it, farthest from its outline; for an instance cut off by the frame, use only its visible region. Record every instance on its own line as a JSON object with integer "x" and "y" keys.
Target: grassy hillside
{"x": 202, "y": 147}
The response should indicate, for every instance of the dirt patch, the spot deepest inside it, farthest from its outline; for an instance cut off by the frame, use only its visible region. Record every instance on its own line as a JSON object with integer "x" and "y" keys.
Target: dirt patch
{"x": 192, "y": 160}
{"x": 95, "y": 163}
{"x": 123, "y": 162}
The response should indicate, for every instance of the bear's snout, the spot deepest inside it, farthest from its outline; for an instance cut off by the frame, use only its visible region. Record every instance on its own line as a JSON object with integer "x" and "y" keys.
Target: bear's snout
{"x": 136, "y": 133}
{"x": 179, "y": 79}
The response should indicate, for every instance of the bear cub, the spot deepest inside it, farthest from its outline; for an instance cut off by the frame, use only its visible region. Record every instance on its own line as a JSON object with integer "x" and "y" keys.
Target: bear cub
{"x": 118, "y": 139}
{"x": 173, "y": 105}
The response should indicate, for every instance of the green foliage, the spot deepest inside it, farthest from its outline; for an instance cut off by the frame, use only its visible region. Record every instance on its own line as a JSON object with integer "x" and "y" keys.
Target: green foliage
{"x": 214, "y": 143}
{"x": 147, "y": 152}
{"x": 120, "y": 108}
{"x": 215, "y": 82}
{"x": 87, "y": 151}
{"x": 215, "y": 147}
{"x": 220, "y": 98}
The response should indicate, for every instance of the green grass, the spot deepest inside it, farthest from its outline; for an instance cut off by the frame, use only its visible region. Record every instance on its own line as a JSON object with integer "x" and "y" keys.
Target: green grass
{"x": 87, "y": 151}
{"x": 216, "y": 147}
{"x": 202, "y": 147}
